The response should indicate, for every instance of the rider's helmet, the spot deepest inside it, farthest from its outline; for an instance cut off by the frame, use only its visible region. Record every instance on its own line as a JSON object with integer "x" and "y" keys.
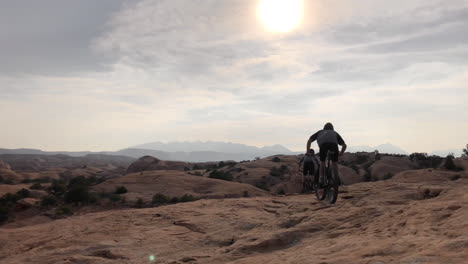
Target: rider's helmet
{"x": 328, "y": 126}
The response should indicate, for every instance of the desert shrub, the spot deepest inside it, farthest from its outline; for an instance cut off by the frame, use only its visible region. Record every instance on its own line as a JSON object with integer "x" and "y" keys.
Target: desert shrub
{"x": 78, "y": 181}
{"x": 49, "y": 200}
{"x": 63, "y": 211}
{"x": 160, "y": 199}
{"x": 425, "y": 161}
{"x": 4, "y": 213}
{"x": 57, "y": 188}
{"x": 197, "y": 167}
{"x": 450, "y": 165}
{"x": 174, "y": 200}
{"x": 121, "y": 190}
{"x": 245, "y": 194}
{"x": 8, "y": 181}
{"x": 77, "y": 194}
{"x": 257, "y": 158}
{"x": 465, "y": 151}
{"x": 187, "y": 198}
{"x": 367, "y": 177}
{"x": 220, "y": 175}
{"x": 23, "y": 193}
{"x": 9, "y": 199}
{"x": 139, "y": 203}
{"x": 262, "y": 185}
{"x": 186, "y": 168}
{"x": 427, "y": 193}
{"x": 388, "y": 176}
{"x": 455, "y": 177}
{"x": 26, "y": 181}
{"x": 278, "y": 172}
{"x": 93, "y": 198}
{"x": 114, "y": 197}
{"x": 36, "y": 186}
{"x": 281, "y": 192}
{"x": 221, "y": 164}
{"x": 377, "y": 155}
{"x": 276, "y": 159}
{"x": 360, "y": 159}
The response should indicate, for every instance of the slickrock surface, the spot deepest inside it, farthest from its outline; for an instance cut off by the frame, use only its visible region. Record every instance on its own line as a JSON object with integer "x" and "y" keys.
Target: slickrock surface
{"x": 416, "y": 217}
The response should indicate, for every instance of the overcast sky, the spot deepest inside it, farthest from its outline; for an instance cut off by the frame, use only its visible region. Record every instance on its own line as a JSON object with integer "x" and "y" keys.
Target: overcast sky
{"x": 108, "y": 74}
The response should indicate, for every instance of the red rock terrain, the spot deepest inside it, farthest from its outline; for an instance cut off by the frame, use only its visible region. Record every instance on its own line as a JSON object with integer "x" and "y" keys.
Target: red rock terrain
{"x": 418, "y": 216}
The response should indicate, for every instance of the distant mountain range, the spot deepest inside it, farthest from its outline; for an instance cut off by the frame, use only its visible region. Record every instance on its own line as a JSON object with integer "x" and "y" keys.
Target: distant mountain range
{"x": 178, "y": 151}
{"x": 199, "y": 151}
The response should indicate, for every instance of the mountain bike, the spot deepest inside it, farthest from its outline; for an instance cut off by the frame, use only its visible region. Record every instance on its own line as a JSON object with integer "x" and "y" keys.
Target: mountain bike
{"x": 328, "y": 186}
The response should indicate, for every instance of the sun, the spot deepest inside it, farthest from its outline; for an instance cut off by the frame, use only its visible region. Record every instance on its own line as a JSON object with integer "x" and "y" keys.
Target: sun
{"x": 280, "y": 15}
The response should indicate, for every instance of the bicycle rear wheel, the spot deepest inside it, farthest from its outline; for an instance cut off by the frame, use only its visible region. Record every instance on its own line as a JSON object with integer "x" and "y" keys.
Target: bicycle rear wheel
{"x": 320, "y": 190}
{"x": 333, "y": 184}
{"x": 307, "y": 185}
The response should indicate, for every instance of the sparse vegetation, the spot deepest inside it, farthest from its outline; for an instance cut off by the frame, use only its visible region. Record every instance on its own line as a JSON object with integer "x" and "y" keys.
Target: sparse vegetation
{"x": 465, "y": 151}
{"x": 160, "y": 199}
{"x": 262, "y": 185}
{"x": 245, "y": 194}
{"x": 388, "y": 176}
{"x": 36, "y": 186}
{"x": 121, "y": 190}
{"x": 281, "y": 192}
{"x": 23, "y": 193}
{"x": 220, "y": 175}
{"x": 279, "y": 172}
{"x": 77, "y": 195}
{"x": 63, "y": 211}
{"x": 187, "y": 198}
{"x": 427, "y": 193}
{"x": 449, "y": 164}
{"x": 276, "y": 159}
{"x": 360, "y": 159}
{"x": 139, "y": 203}
{"x": 49, "y": 200}
{"x": 425, "y": 161}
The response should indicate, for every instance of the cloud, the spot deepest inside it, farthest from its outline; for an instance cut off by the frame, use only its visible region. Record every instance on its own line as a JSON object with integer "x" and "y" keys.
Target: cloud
{"x": 52, "y": 37}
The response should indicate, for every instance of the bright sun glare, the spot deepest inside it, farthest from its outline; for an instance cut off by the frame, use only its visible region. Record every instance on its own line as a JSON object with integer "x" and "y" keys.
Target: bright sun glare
{"x": 280, "y": 15}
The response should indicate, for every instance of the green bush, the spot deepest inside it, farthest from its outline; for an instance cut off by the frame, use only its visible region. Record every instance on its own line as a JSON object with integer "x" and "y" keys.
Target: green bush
{"x": 220, "y": 175}
{"x": 4, "y": 213}
{"x": 360, "y": 159}
{"x": 49, "y": 200}
{"x": 23, "y": 193}
{"x": 77, "y": 194}
{"x": 57, "y": 188}
{"x": 449, "y": 164}
{"x": 160, "y": 199}
{"x": 276, "y": 159}
{"x": 120, "y": 190}
{"x": 262, "y": 185}
{"x": 139, "y": 203}
{"x": 63, "y": 211}
{"x": 388, "y": 176}
{"x": 278, "y": 172}
{"x": 187, "y": 198}
{"x": 114, "y": 197}
{"x": 36, "y": 186}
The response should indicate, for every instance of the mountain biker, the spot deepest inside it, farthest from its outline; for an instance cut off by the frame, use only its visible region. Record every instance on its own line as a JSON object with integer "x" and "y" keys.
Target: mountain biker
{"x": 328, "y": 140}
{"x": 310, "y": 165}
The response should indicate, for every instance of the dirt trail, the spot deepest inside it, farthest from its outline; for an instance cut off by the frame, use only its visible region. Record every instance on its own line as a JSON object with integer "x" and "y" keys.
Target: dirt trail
{"x": 417, "y": 217}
